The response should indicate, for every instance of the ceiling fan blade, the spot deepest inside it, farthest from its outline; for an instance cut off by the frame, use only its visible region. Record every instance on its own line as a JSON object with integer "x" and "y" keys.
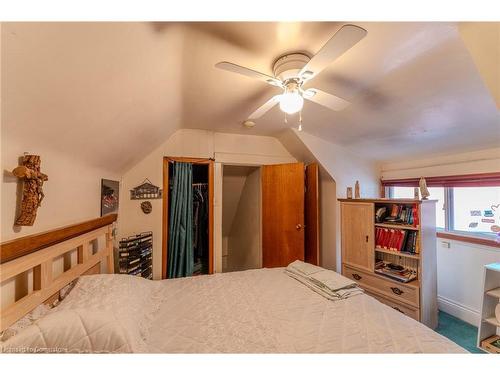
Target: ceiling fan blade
{"x": 224, "y": 65}
{"x": 325, "y": 99}
{"x": 345, "y": 38}
{"x": 259, "y": 112}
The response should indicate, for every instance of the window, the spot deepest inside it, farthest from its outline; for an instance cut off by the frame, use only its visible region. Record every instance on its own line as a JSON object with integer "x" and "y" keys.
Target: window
{"x": 435, "y": 193}
{"x": 475, "y": 209}
{"x": 464, "y": 209}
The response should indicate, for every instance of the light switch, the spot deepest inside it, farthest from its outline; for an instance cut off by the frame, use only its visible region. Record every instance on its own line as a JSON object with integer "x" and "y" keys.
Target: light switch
{"x": 445, "y": 244}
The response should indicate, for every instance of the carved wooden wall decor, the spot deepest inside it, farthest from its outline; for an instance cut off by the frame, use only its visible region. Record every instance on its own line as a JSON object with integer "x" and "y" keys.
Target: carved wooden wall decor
{"x": 33, "y": 179}
{"x": 146, "y": 207}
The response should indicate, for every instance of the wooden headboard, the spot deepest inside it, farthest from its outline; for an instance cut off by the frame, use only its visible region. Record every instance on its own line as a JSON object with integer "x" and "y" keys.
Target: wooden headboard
{"x": 37, "y": 252}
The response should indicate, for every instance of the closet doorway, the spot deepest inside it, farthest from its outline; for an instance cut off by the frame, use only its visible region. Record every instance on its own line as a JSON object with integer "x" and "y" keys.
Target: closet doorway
{"x": 187, "y": 220}
{"x": 241, "y": 218}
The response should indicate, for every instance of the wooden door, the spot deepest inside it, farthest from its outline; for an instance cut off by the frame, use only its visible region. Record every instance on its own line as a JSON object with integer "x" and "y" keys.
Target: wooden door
{"x": 357, "y": 234}
{"x": 311, "y": 211}
{"x": 282, "y": 214}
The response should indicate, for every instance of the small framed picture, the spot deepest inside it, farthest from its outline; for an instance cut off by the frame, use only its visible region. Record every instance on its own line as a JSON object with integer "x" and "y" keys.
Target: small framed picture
{"x": 349, "y": 192}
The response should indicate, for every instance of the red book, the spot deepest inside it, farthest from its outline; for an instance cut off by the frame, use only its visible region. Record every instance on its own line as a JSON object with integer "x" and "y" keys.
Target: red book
{"x": 378, "y": 233}
{"x": 415, "y": 216}
{"x": 401, "y": 239}
{"x": 392, "y": 240}
{"x": 385, "y": 238}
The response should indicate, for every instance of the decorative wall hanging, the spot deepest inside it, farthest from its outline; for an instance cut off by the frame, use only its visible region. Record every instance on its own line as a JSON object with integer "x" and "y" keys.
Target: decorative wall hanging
{"x": 33, "y": 179}
{"x": 110, "y": 193}
{"x": 146, "y": 207}
{"x": 146, "y": 190}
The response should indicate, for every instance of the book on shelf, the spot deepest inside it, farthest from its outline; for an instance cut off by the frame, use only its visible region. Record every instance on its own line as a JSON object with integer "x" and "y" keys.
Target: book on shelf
{"x": 402, "y": 214}
{"x": 395, "y": 271}
{"x": 398, "y": 240}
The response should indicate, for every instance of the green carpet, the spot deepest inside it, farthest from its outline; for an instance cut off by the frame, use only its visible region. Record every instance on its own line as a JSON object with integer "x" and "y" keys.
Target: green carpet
{"x": 458, "y": 331}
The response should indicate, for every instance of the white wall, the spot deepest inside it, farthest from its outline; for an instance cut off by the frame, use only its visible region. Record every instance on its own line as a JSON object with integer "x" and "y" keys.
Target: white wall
{"x": 345, "y": 167}
{"x": 459, "y": 267}
{"x": 72, "y": 193}
{"x": 225, "y": 148}
{"x": 460, "y": 277}
{"x": 244, "y": 244}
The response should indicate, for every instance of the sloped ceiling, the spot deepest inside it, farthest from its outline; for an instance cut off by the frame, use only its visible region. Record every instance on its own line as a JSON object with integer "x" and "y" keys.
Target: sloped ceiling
{"x": 111, "y": 92}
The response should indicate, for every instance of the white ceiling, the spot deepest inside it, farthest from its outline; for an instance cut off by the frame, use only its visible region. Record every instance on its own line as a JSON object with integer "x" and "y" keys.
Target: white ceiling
{"x": 111, "y": 92}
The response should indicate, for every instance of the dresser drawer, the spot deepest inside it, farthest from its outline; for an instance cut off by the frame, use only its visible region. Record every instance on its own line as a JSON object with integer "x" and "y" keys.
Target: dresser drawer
{"x": 408, "y": 310}
{"x": 403, "y": 293}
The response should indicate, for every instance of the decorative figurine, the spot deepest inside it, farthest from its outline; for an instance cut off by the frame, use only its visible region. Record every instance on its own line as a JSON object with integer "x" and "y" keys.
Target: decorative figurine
{"x": 356, "y": 190}
{"x": 423, "y": 188}
{"x": 349, "y": 192}
{"x": 415, "y": 193}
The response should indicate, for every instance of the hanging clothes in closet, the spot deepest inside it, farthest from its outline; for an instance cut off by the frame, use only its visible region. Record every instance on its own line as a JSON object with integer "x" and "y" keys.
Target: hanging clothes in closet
{"x": 188, "y": 251}
{"x": 200, "y": 228}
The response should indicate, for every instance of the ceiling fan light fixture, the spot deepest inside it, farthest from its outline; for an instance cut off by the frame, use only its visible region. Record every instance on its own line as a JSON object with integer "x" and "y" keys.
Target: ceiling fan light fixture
{"x": 291, "y": 102}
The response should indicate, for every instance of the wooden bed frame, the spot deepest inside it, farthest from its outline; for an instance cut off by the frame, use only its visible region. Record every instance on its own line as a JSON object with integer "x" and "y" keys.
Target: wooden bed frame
{"x": 37, "y": 252}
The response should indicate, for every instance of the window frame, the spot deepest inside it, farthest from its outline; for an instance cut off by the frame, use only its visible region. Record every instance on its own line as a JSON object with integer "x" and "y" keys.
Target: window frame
{"x": 447, "y": 232}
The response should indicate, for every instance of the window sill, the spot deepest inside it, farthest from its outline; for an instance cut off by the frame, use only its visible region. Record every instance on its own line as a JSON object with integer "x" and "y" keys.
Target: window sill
{"x": 468, "y": 238}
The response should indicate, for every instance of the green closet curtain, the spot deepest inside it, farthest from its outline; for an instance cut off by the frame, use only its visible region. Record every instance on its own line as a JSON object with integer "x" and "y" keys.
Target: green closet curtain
{"x": 180, "y": 232}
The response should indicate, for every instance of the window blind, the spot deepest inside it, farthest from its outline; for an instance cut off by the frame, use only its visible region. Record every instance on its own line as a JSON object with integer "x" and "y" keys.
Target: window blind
{"x": 468, "y": 180}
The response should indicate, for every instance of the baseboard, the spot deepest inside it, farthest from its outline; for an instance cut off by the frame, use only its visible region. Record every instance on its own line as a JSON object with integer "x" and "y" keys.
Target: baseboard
{"x": 459, "y": 311}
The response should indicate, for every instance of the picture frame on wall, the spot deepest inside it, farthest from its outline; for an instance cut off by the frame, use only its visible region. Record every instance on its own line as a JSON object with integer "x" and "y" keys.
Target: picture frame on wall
{"x": 110, "y": 194}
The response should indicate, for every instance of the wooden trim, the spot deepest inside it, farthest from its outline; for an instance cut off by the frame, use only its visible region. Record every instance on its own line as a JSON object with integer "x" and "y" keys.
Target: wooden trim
{"x": 210, "y": 216}
{"x": 188, "y": 160}
{"x": 22, "y": 246}
{"x": 468, "y": 239}
{"x": 164, "y": 229}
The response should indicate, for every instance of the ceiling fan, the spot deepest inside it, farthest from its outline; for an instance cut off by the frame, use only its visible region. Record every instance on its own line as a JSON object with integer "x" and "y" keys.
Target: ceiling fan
{"x": 293, "y": 70}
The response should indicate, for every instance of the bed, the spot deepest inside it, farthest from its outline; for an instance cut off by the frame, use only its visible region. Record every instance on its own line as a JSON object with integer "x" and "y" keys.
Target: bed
{"x": 254, "y": 311}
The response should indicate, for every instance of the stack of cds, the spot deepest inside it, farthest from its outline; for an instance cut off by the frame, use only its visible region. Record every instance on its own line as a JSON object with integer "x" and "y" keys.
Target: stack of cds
{"x": 136, "y": 255}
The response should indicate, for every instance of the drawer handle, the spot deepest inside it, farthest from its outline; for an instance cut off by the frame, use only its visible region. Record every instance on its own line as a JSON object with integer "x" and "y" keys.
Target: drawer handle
{"x": 397, "y": 291}
{"x": 356, "y": 276}
{"x": 398, "y": 309}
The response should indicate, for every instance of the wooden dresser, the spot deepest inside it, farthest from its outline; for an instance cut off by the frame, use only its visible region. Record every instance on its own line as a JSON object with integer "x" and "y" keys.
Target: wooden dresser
{"x": 362, "y": 253}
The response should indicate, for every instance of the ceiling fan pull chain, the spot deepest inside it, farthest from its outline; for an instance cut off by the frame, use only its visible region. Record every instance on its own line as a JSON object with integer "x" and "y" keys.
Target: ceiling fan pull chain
{"x": 300, "y": 121}
{"x": 286, "y": 121}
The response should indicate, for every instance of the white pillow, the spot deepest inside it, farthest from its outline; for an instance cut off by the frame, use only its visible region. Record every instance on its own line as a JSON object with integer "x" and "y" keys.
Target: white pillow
{"x": 77, "y": 331}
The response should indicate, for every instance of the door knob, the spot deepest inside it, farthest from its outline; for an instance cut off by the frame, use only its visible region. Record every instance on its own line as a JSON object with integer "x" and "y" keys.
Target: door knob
{"x": 298, "y": 226}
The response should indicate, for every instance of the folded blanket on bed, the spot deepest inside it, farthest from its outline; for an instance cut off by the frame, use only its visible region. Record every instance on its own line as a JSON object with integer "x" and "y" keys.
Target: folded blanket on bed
{"x": 328, "y": 284}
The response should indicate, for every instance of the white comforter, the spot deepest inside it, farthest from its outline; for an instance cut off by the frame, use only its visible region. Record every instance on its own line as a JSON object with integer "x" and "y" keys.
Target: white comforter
{"x": 256, "y": 311}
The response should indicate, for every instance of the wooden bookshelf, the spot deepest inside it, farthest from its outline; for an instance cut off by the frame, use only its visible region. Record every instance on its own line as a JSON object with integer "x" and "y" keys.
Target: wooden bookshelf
{"x": 416, "y": 298}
